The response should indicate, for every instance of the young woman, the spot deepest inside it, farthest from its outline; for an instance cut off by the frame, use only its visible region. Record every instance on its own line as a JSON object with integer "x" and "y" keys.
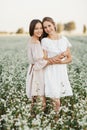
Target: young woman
{"x": 35, "y": 75}
{"x": 57, "y": 84}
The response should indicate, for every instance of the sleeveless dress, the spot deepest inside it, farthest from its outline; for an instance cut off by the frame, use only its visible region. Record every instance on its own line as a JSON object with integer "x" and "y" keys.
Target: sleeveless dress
{"x": 56, "y": 77}
{"x": 35, "y": 75}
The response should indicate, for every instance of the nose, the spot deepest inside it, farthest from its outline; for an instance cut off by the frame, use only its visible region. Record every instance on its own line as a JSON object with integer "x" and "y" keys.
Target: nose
{"x": 40, "y": 31}
{"x": 47, "y": 29}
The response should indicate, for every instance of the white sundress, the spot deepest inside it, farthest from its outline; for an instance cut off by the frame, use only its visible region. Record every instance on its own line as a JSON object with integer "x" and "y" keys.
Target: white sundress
{"x": 56, "y": 77}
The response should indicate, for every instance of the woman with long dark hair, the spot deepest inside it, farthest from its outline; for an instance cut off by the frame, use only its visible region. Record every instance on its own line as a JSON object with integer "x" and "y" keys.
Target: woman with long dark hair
{"x": 35, "y": 75}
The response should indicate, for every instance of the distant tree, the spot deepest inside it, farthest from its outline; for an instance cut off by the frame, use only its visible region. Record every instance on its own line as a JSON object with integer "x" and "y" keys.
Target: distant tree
{"x": 70, "y": 26}
{"x": 84, "y": 29}
{"x": 20, "y": 30}
{"x": 60, "y": 27}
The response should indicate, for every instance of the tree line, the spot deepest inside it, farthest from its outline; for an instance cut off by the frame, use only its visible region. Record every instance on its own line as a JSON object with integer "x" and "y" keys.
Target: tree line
{"x": 70, "y": 26}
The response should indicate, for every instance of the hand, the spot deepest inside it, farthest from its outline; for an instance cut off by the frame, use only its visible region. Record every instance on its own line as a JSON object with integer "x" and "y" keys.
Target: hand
{"x": 66, "y": 52}
{"x": 54, "y": 61}
{"x": 58, "y": 61}
{"x": 62, "y": 56}
{"x": 49, "y": 61}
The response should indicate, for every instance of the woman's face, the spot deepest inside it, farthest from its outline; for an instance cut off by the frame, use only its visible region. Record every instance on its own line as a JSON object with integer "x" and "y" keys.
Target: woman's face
{"x": 38, "y": 31}
{"x": 49, "y": 28}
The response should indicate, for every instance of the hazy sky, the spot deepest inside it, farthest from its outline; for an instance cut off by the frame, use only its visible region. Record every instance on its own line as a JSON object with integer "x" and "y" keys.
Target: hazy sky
{"x": 18, "y": 13}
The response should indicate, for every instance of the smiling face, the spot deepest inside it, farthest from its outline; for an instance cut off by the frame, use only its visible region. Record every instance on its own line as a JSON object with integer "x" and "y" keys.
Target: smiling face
{"x": 49, "y": 27}
{"x": 38, "y": 30}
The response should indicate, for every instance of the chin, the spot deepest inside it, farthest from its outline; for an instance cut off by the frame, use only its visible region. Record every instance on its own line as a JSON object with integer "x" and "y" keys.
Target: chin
{"x": 38, "y": 35}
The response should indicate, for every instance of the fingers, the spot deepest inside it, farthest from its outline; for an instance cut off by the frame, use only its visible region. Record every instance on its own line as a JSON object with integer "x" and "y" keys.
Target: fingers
{"x": 62, "y": 56}
{"x": 54, "y": 61}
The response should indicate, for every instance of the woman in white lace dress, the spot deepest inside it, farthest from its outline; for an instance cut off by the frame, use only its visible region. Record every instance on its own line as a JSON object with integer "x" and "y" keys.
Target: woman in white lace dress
{"x": 57, "y": 83}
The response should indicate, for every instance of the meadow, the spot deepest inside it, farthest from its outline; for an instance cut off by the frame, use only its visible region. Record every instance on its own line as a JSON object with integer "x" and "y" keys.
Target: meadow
{"x": 14, "y": 104}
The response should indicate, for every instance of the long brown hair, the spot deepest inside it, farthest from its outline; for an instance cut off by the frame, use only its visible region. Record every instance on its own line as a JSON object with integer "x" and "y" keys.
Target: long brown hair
{"x": 32, "y": 26}
{"x": 49, "y": 19}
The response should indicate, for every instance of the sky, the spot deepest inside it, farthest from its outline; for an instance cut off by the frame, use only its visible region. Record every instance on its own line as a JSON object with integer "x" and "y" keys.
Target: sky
{"x": 15, "y": 14}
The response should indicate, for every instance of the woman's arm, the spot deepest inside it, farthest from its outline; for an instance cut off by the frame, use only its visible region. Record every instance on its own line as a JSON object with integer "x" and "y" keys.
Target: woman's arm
{"x": 58, "y": 58}
{"x": 45, "y": 54}
{"x": 37, "y": 63}
{"x": 29, "y": 53}
{"x": 45, "y": 57}
{"x": 68, "y": 58}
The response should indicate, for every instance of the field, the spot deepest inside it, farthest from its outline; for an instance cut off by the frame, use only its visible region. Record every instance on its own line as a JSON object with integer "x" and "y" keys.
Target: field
{"x": 15, "y": 106}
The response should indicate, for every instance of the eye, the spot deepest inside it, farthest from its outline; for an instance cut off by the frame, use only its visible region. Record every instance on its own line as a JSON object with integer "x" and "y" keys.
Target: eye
{"x": 49, "y": 25}
{"x": 36, "y": 28}
{"x": 45, "y": 27}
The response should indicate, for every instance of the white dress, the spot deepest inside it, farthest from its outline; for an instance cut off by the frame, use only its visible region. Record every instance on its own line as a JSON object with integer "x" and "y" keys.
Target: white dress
{"x": 56, "y": 78}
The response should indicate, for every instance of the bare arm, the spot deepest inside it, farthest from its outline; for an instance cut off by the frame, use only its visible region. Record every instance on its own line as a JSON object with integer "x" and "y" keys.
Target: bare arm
{"x": 45, "y": 57}
{"x": 58, "y": 58}
{"x": 68, "y": 58}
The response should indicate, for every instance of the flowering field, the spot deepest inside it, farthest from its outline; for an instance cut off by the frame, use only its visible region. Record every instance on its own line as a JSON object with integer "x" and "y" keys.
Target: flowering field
{"x": 15, "y": 106}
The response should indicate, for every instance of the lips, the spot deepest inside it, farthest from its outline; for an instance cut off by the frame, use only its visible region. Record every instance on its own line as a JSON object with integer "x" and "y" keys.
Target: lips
{"x": 39, "y": 33}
